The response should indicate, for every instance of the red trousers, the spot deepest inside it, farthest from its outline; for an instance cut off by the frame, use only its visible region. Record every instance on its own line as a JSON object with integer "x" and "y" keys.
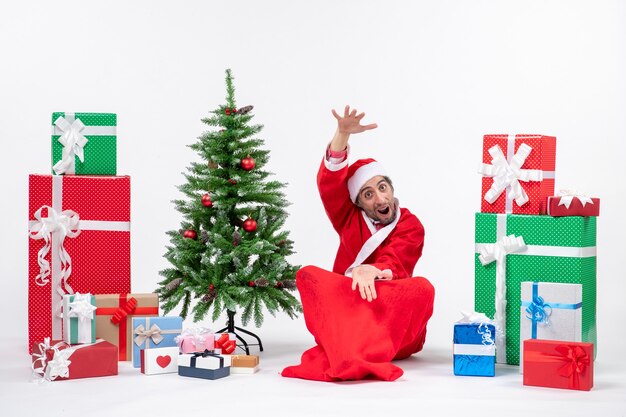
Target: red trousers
{"x": 357, "y": 339}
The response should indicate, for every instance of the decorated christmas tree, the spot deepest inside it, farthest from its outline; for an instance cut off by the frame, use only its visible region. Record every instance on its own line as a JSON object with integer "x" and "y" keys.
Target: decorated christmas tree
{"x": 230, "y": 253}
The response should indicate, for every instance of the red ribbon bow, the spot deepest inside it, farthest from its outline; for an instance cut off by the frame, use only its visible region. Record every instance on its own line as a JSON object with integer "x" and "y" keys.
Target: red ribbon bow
{"x": 576, "y": 361}
{"x": 223, "y": 342}
{"x": 122, "y": 312}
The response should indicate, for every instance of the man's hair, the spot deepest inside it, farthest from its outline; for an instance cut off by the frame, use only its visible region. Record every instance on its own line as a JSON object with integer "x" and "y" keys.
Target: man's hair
{"x": 387, "y": 180}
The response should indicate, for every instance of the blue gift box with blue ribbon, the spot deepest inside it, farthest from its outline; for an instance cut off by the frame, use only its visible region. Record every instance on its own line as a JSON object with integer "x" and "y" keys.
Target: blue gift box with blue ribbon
{"x": 550, "y": 311}
{"x": 474, "y": 349}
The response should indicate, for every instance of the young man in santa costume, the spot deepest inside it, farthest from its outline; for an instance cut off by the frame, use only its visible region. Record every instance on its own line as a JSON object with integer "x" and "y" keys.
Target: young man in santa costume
{"x": 358, "y": 334}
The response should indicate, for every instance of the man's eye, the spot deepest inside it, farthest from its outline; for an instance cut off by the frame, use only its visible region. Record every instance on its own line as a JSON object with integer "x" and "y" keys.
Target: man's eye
{"x": 383, "y": 187}
{"x": 368, "y": 194}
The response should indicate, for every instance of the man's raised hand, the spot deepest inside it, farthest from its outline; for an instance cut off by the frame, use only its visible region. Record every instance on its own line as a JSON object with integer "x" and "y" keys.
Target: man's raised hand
{"x": 351, "y": 122}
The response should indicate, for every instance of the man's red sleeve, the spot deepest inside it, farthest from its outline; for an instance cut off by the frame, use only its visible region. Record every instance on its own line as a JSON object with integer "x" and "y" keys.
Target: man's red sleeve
{"x": 334, "y": 194}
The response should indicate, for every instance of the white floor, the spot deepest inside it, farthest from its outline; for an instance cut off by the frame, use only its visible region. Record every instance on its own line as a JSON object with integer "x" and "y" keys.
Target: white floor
{"x": 428, "y": 387}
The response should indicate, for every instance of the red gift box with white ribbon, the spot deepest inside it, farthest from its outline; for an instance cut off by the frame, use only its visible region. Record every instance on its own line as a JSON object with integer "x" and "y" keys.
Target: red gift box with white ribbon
{"x": 79, "y": 241}
{"x": 56, "y": 360}
{"x": 558, "y": 364}
{"x": 572, "y": 203}
{"x": 518, "y": 173}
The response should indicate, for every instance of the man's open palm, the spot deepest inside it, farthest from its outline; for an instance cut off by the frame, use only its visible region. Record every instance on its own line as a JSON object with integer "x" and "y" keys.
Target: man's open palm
{"x": 351, "y": 121}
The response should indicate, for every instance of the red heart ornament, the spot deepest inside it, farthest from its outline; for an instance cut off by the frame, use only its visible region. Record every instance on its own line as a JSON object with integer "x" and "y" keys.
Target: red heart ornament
{"x": 163, "y": 361}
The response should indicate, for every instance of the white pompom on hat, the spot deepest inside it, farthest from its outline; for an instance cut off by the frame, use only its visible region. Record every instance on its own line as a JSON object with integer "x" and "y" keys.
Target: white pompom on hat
{"x": 360, "y": 172}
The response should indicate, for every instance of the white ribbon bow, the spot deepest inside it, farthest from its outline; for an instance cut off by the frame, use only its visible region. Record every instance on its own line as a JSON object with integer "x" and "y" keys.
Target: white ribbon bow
{"x": 498, "y": 252}
{"x": 58, "y": 366}
{"x": 199, "y": 336}
{"x": 568, "y": 195}
{"x": 64, "y": 224}
{"x": 508, "y": 174}
{"x": 143, "y": 334}
{"x": 473, "y": 317}
{"x": 73, "y": 143}
{"x": 81, "y": 307}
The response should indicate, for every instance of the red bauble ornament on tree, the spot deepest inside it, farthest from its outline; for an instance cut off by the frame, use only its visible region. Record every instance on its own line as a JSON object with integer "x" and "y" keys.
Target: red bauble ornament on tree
{"x": 227, "y": 111}
{"x": 249, "y": 225}
{"x": 279, "y": 284}
{"x": 232, "y": 181}
{"x": 251, "y": 283}
{"x": 211, "y": 287}
{"x": 247, "y": 163}
{"x": 190, "y": 234}
{"x": 206, "y": 201}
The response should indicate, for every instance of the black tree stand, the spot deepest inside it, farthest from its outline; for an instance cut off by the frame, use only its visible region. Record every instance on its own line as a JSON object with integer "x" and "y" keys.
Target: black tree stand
{"x": 230, "y": 327}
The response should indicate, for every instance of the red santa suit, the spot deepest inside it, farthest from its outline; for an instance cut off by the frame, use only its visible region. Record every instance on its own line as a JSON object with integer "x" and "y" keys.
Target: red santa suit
{"x": 357, "y": 339}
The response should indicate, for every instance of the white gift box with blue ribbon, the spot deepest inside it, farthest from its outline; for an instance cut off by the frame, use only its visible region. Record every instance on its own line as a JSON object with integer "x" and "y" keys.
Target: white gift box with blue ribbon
{"x": 550, "y": 311}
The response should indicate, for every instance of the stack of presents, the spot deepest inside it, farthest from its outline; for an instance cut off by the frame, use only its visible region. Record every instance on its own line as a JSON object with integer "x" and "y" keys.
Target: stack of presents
{"x": 82, "y": 316}
{"x": 535, "y": 271}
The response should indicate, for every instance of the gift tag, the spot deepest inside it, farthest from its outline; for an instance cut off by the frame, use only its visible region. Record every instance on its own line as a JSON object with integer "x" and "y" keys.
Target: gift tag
{"x": 159, "y": 360}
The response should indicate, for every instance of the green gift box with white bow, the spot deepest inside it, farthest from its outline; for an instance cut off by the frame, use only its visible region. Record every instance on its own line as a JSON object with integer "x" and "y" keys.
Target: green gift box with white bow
{"x": 79, "y": 318}
{"x": 84, "y": 143}
{"x": 514, "y": 248}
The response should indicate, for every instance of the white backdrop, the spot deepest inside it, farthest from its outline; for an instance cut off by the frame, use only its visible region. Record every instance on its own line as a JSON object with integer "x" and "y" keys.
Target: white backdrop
{"x": 435, "y": 76}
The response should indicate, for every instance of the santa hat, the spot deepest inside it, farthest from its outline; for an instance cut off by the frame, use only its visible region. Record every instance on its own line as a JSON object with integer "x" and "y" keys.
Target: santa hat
{"x": 360, "y": 172}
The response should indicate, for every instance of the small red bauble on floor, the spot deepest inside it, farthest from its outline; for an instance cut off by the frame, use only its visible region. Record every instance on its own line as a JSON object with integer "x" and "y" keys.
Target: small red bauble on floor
{"x": 206, "y": 201}
{"x": 249, "y": 225}
{"x": 190, "y": 234}
{"x": 248, "y": 163}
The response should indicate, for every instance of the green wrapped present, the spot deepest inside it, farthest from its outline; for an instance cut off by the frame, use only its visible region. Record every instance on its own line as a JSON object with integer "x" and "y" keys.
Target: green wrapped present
{"x": 84, "y": 143}
{"x": 514, "y": 248}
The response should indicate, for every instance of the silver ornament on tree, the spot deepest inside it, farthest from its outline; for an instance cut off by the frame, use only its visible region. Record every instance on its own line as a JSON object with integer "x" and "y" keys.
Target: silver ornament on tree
{"x": 289, "y": 284}
{"x": 236, "y": 238}
{"x": 245, "y": 109}
{"x": 261, "y": 282}
{"x": 173, "y": 284}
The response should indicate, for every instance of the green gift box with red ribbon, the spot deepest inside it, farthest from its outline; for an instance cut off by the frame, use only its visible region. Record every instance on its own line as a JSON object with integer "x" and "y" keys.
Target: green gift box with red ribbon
{"x": 514, "y": 248}
{"x": 114, "y": 313}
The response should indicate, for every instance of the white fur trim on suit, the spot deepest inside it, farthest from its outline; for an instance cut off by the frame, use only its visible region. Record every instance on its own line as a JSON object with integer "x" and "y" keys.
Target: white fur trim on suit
{"x": 363, "y": 175}
{"x": 373, "y": 242}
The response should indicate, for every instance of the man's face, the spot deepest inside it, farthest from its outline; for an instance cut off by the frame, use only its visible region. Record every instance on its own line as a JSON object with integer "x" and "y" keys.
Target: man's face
{"x": 376, "y": 199}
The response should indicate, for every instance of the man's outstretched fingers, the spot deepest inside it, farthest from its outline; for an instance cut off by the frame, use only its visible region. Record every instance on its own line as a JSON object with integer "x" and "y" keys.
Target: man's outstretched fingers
{"x": 362, "y": 291}
{"x": 373, "y": 291}
{"x": 336, "y": 115}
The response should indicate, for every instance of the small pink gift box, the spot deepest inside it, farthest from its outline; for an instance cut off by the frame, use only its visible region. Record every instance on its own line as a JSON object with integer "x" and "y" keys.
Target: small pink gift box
{"x": 196, "y": 340}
